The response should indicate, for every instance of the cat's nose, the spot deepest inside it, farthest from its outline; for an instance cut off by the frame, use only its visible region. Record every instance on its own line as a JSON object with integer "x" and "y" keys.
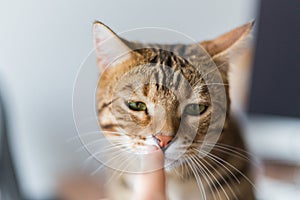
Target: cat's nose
{"x": 163, "y": 140}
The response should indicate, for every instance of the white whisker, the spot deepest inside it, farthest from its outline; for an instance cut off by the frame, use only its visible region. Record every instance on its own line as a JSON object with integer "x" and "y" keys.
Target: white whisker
{"x": 226, "y": 182}
{"x": 215, "y": 160}
{"x": 198, "y": 179}
{"x": 199, "y": 164}
{"x": 106, "y": 163}
{"x": 237, "y": 170}
{"x": 90, "y": 133}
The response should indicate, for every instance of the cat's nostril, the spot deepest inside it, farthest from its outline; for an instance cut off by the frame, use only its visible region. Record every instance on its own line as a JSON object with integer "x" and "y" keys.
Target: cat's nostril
{"x": 163, "y": 140}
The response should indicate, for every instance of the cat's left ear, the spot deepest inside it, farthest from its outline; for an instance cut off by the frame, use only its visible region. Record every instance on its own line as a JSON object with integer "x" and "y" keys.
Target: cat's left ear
{"x": 110, "y": 48}
{"x": 230, "y": 43}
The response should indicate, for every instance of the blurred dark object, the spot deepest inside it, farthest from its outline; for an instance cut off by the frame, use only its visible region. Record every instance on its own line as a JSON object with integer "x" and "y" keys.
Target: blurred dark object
{"x": 8, "y": 184}
{"x": 275, "y": 87}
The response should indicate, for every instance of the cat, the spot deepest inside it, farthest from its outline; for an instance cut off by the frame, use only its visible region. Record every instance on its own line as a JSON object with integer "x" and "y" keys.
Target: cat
{"x": 167, "y": 95}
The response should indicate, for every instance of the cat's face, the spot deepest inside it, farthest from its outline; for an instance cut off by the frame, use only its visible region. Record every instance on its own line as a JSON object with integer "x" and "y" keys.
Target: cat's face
{"x": 155, "y": 96}
{"x": 158, "y": 105}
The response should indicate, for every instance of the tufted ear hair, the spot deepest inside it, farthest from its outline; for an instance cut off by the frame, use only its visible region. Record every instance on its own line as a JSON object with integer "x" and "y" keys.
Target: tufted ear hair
{"x": 229, "y": 43}
{"x": 110, "y": 48}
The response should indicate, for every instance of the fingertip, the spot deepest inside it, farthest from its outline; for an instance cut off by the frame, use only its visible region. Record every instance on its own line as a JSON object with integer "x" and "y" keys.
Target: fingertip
{"x": 151, "y": 148}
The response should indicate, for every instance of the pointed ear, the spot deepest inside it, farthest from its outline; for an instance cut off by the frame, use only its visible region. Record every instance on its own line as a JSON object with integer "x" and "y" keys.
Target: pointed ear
{"x": 110, "y": 48}
{"x": 229, "y": 43}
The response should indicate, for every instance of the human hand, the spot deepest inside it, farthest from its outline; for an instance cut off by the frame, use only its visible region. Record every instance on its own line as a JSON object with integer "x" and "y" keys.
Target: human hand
{"x": 151, "y": 185}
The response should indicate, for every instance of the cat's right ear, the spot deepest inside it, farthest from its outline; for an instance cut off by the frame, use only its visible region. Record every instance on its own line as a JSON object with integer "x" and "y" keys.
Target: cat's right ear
{"x": 230, "y": 43}
{"x": 110, "y": 48}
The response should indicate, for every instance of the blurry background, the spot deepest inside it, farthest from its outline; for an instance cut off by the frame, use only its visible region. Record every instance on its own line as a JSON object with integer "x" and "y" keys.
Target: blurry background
{"x": 43, "y": 43}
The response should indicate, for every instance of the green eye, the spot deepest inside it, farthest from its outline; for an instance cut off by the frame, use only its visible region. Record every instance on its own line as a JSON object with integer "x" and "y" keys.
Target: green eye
{"x": 137, "y": 106}
{"x": 194, "y": 109}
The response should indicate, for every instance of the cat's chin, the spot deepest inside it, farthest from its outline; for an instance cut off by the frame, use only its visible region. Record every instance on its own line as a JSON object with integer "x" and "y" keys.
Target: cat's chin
{"x": 170, "y": 165}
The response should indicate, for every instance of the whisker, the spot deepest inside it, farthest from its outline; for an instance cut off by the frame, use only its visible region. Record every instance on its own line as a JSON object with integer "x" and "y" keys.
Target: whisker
{"x": 217, "y": 181}
{"x": 215, "y": 160}
{"x": 177, "y": 171}
{"x": 114, "y": 174}
{"x": 86, "y": 162}
{"x": 198, "y": 164}
{"x": 237, "y": 170}
{"x": 198, "y": 179}
{"x": 106, "y": 163}
{"x": 226, "y": 182}
{"x": 245, "y": 155}
{"x": 232, "y": 152}
{"x": 85, "y": 145}
{"x": 93, "y": 142}
{"x": 111, "y": 149}
{"x": 116, "y": 145}
{"x": 89, "y": 158}
{"x": 129, "y": 161}
{"x": 90, "y": 133}
{"x": 229, "y": 147}
{"x": 241, "y": 153}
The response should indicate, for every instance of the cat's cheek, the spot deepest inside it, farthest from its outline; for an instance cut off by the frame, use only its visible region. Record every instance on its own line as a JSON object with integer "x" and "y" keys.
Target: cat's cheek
{"x": 192, "y": 121}
{"x": 175, "y": 149}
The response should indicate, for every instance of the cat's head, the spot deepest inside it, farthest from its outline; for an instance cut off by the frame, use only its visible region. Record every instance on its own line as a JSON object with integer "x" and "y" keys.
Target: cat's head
{"x": 163, "y": 95}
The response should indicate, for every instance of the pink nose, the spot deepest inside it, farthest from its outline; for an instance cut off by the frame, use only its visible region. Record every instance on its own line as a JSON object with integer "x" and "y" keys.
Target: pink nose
{"x": 163, "y": 141}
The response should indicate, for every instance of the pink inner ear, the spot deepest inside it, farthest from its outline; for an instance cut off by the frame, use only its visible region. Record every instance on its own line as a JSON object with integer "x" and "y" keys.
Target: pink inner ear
{"x": 109, "y": 47}
{"x": 100, "y": 60}
{"x": 227, "y": 40}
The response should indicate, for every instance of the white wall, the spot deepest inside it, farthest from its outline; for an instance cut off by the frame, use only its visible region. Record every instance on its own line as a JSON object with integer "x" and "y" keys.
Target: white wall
{"x": 42, "y": 44}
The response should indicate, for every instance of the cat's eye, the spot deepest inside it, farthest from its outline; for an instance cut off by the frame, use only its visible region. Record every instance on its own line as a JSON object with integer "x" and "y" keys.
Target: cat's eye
{"x": 194, "y": 109}
{"x": 137, "y": 106}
